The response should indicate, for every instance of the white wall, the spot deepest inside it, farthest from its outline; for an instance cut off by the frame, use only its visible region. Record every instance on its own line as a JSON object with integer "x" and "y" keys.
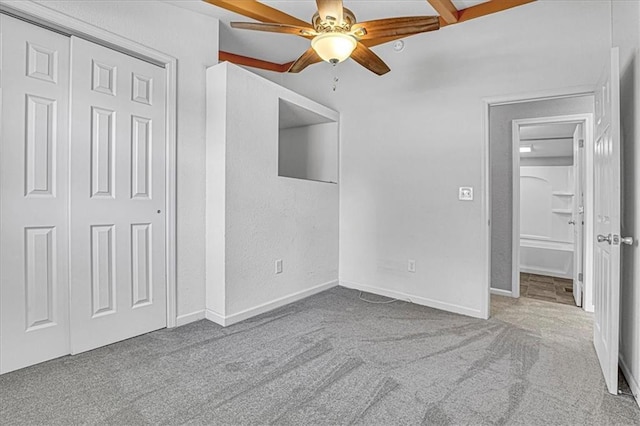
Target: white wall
{"x": 412, "y": 137}
{"x": 626, "y": 35}
{"x": 192, "y": 38}
{"x": 540, "y": 208}
{"x": 309, "y": 152}
{"x": 501, "y": 147}
{"x": 255, "y": 216}
{"x": 546, "y": 161}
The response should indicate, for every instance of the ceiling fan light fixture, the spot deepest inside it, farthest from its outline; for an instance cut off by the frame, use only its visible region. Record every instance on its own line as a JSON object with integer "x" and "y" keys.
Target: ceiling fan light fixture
{"x": 334, "y": 47}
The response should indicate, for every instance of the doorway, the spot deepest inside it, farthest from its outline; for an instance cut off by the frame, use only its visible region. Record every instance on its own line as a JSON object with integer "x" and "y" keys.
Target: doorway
{"x": 601, "y": 208}
{"x": 500, "y": 175}
{"x": 549, "y": 198}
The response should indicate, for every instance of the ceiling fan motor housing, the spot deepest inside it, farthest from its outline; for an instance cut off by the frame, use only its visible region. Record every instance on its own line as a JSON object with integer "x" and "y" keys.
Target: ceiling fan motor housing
{"x": 331, "y": 25}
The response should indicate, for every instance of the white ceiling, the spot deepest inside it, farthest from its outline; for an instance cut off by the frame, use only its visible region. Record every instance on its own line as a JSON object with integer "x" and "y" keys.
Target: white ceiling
{"x": 281, "y": 48}
{"x": 548, "y": 140}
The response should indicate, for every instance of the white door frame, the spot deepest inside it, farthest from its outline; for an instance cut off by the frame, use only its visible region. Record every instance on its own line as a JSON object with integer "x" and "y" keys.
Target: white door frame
{"x": 67, "y": 25}
{"x": 587, "y": 121}
{"x": 485, "y": 165}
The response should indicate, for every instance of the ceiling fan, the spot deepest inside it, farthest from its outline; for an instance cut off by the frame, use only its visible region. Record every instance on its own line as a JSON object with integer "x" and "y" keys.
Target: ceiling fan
{"x": 336, "y": 35}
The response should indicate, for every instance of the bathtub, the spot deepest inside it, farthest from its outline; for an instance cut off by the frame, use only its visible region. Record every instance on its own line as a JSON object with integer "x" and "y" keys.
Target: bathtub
{"x": 546, "y": 257}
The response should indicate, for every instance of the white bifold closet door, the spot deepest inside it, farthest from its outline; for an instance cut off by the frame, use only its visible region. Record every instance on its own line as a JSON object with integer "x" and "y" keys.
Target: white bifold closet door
{"x": 117, "y": 196}
{"x": 82, "y": 196}
{"x": 34, "y": 195}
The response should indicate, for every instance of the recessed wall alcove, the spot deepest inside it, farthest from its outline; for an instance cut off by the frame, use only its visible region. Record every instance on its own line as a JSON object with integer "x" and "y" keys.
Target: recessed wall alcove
{"x": 307, "y": 144}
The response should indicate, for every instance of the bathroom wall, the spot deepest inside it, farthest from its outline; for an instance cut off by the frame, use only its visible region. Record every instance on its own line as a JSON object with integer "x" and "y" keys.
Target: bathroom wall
{"x": 546, "y": 206}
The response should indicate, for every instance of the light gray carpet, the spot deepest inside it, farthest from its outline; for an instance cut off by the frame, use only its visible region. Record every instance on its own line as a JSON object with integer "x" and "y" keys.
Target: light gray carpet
{"x": 334, "y": 359}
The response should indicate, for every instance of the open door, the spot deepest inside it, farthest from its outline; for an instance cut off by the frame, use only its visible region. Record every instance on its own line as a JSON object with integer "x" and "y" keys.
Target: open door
{"x": 607, "y": 221}
{"x": 578, "y": 213}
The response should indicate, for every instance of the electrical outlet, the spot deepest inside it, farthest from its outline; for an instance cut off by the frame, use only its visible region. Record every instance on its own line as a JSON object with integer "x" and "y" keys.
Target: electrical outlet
{"x": 279, "y": 266}
{"x": 411, "y": 265}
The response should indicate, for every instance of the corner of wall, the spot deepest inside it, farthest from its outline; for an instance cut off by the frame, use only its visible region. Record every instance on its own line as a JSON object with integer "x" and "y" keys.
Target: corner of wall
{"x": 215, "y": 222}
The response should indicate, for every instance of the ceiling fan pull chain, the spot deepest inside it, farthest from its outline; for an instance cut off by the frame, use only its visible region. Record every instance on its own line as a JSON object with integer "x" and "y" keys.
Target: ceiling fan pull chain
{"x": 334, "y": 72}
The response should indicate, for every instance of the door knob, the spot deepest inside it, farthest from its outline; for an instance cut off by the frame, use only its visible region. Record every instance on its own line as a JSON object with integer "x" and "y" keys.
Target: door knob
{"x": 572, "y": 222}
{"x": 627, "y": 240}
{"x": 602, "y": 238}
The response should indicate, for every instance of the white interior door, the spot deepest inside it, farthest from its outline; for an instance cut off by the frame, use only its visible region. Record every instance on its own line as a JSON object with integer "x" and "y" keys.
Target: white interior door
{"x": 33, "y": 194}
{"x": 607, "y": 218}
{"x": 117, "y": 196}
{"x": 578, "y": 213}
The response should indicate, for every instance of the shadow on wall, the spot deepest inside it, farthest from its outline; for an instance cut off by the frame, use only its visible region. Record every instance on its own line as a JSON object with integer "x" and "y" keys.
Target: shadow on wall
{"x": 629, "y": 156}
{"x": 630, "y": 270}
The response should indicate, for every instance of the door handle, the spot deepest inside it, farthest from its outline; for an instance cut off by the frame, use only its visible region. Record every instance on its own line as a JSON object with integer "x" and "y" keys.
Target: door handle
{"x": 572, "y": 222}
{"x": 602, "y": 238}
{"x": 627, "y": 240}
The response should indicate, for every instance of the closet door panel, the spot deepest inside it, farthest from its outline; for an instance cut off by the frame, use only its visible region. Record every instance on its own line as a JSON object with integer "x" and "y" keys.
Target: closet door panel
{"x": 118, "y": 175}
{"x": 34, "y": 297}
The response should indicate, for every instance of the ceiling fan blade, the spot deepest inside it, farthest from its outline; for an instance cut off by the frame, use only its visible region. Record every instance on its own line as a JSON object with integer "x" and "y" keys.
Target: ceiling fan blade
{"x": 330, "y": 10}
{"x": 309, "y": 57}
{"x": 275, "y": 28}
{"x": 365, "y": 57}
{"x": 258, "y": 11}
{"x": 393, "y": 27}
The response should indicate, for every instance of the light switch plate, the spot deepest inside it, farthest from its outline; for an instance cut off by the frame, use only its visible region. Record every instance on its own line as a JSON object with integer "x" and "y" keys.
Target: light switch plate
{"x": 465, "y": 193}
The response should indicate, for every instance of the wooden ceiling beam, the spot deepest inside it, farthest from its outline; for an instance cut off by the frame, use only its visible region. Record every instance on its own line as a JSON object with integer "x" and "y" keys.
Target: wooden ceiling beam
{"x": 258, "y": 11}
{"x": 253, "y": 62}
{"x": 483, "y": 9}
{"x": 447, "y": 10}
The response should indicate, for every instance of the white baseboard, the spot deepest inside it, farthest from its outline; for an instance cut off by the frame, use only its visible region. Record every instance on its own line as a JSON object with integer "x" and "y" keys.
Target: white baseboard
{"x": 501, "y": 292}
{"x": 215, "y": 317}
{"x": 444, "y": 306}
{"x": 227, "y": 320}
{"x": 188, "y": 318}
{"x": 633, "y": 381}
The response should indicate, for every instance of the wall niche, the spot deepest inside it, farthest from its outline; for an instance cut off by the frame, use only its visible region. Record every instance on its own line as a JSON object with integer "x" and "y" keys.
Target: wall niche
{"x": 307, "y": 144}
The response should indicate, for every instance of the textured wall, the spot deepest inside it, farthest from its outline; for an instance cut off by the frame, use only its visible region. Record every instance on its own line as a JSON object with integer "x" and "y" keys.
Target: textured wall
{"x": 501, "y": 143}
{"x": 192, "y": 38}
{"x": 266, "y": 217}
